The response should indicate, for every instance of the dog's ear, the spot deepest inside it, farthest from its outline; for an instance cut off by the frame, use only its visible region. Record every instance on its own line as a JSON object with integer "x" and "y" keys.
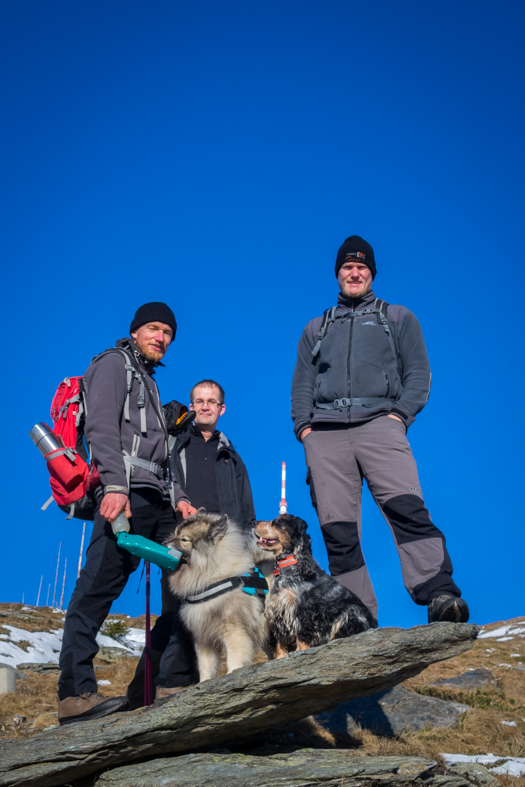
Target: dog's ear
{"x": 219, "y": 527}
{"x": 201, "y": 510}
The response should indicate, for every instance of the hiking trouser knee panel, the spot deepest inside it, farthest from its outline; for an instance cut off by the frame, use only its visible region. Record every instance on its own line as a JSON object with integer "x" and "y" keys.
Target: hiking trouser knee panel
{"x": 343, "y": 547}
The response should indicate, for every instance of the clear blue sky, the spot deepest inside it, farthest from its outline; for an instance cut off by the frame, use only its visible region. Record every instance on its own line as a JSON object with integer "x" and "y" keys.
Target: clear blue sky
{"x": 214, "y": 156}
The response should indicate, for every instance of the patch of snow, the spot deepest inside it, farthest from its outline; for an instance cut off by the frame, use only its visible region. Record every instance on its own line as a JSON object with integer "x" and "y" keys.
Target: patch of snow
{"x": 103, "y": 683}
{"x": 44, "y": 646}
{"x": 505, "y": 665}
{"x": 502, "y": 631}
{"x": 27, "y": 609}
{"x": 490, "y": 650}
{"x": 56, "y": 611}
{"x": 512, "y": 766}
{"x": 483, "y": 759}
{"x": 503, "y": 639}
{"x": 515, "y": 655}
{"x": 509, "y": 723}
{"x": 515, "y": 766}
{"x": 135, "y": 635}
{"x": 108, "y": 642}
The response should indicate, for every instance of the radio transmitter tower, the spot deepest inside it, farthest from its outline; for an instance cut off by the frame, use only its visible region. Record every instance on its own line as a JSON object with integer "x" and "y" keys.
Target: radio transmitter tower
{"x": 283, "y": 505}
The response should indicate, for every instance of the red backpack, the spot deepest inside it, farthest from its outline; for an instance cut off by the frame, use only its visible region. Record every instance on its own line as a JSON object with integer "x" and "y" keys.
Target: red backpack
{"x": 68, "y": 410}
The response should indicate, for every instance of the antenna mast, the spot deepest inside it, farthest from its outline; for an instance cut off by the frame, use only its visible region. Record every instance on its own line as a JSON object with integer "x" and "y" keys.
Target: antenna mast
{"x": 63, "y": 584}
{"x": 56, "y": 576}
{"x": 283, "y": 505}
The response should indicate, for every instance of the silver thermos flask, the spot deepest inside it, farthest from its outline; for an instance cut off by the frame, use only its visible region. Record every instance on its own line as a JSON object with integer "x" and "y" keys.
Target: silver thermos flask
{"x": 45, "y": 439}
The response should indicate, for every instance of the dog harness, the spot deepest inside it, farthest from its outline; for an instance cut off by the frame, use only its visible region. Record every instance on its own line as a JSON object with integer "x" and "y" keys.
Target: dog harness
{"x": 252, "y": 583}
{"x": 285, "y": 562}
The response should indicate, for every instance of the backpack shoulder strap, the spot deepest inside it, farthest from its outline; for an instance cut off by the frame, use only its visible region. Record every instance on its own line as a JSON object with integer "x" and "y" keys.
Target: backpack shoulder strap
{"x": 131, "y": 373}
{"x": 382, "y": 319}
{"x": 328, "y": 318}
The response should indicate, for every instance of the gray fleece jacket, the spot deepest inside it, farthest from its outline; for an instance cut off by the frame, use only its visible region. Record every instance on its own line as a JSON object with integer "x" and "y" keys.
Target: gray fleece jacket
{"x": 356, "y": 361}
{"x": 108, "y": 432}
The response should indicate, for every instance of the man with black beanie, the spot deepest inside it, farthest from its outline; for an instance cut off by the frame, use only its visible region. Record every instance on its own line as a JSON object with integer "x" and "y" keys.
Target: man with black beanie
{"x": 361, "y": 377}
{"x": 126, "y": 432}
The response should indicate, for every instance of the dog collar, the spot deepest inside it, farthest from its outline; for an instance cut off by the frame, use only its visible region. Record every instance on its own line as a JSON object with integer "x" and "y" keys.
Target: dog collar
{"x": 285, "y": 562}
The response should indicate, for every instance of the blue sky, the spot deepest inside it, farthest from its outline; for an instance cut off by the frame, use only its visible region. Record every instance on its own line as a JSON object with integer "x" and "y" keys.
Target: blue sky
{"x": 214, "y": 156}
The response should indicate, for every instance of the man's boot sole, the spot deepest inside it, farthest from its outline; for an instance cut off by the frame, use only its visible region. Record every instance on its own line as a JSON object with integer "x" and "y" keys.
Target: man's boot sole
{"x": 106, "y": 708}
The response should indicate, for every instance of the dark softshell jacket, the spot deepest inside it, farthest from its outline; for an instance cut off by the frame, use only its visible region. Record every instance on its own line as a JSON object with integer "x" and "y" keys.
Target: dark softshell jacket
{"x": 356, "y": 361}
{"x": 233, "y": 484}
{"x": 108, "y": 433}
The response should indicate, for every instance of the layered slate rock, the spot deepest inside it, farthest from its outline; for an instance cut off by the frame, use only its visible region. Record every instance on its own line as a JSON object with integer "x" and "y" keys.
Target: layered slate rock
{"x": 391, "y": 713}
{"x": 306, "y": 767}
{"x": 468, "y": 681}
{"x": 234, "y": 706}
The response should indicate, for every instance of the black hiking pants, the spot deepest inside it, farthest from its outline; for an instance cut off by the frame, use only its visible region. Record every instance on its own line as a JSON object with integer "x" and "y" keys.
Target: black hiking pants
{"x": 101, "y": 582}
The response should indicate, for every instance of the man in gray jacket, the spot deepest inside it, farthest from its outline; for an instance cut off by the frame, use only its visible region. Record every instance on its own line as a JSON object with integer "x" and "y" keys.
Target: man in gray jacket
{"x": 128, "y": 439}
{"x": 361, "y": 377}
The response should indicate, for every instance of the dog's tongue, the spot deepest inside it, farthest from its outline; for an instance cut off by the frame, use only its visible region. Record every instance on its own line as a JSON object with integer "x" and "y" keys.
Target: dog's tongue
{"x": 269, "y": 542}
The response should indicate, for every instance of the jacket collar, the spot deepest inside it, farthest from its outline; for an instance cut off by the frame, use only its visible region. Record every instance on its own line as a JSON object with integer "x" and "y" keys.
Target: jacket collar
{"x": 144, "y": 364}
{"x": 355, "y": 303}
{"x": 223, "y": 444}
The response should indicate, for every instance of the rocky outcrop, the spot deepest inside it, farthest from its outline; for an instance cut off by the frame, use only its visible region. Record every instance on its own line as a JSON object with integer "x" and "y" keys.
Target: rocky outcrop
{"x": 392, "y": 713}
{"x": 468, "y": 681}
{"x": 296, "y": 769}
{"x": 235, "y": 706}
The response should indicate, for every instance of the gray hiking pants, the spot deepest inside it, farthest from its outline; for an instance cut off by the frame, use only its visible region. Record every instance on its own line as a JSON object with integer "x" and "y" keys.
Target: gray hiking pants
{"x": 339, "y": 456}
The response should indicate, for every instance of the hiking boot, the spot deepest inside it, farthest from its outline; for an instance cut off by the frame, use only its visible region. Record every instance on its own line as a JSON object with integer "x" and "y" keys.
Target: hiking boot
{"x": 164, "y": 691}
{"x": 89, "y": 705}
{"x": 449, "y": 608}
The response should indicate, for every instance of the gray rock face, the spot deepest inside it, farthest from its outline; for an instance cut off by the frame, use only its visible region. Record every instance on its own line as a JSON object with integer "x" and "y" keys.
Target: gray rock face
{"x": 234, "y": 706}
{"x": 48, "y": 668}
{"x": 468, "y": 681}
{"x": 475, "y": 773}
{"x": 391, "y": 713}
{"x": 298, "y": 769}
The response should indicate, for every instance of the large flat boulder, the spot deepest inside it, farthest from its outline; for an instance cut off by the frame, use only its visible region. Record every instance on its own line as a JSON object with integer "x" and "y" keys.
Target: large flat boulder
{"x": 235, "y": 706}
{"x": 296, "y": 769}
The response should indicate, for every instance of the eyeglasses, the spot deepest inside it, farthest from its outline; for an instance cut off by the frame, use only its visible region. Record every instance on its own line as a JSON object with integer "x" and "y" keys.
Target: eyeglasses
{"x": 209, "y": 402}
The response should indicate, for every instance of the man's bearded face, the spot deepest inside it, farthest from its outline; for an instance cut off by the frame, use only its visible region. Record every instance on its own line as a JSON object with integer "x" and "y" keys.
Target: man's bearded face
{"x": 153, "y": 339}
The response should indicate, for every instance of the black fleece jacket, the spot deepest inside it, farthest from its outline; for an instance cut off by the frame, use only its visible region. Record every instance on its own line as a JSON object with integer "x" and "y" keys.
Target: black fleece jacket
{"x": 233, "y": 484}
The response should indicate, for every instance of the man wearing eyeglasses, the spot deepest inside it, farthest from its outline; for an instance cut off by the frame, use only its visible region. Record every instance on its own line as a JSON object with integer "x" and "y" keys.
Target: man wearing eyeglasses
{"x": 212, "y": 476}
{"x": 206, "y": 465}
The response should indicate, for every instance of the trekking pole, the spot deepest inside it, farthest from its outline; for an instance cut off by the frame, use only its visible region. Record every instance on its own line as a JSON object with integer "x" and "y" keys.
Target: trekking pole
{"x": 148, "y": 699}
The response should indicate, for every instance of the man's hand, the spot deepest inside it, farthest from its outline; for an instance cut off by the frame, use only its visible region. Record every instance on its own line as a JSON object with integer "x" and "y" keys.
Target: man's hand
{"x": 395, "y": 416}
{"x": 112, "y": 504}
{"x": 185, "y": 508}
{"x": 305, "y": 432}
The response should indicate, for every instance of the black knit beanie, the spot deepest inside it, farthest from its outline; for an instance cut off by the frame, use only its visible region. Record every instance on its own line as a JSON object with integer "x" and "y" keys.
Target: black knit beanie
{"x": 356, "y": 249}
{"x": 154, "y": 312}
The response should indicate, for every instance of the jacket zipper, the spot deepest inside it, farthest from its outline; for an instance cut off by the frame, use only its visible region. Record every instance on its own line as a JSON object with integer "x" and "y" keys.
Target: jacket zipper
{"x": 349, "y": 354}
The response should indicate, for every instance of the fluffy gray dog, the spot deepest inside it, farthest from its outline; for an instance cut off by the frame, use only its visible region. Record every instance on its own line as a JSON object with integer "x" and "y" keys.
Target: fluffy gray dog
{"x": 220, "y": 614}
